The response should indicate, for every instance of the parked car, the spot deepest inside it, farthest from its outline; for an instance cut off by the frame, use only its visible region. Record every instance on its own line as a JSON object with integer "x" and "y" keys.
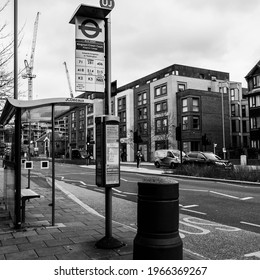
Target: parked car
{"x": 207, "y": 158}
{"x": 167, "y": 158}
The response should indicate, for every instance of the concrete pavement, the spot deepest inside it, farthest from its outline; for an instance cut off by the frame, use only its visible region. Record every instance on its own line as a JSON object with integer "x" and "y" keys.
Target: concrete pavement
{"x": 77, "y": 229}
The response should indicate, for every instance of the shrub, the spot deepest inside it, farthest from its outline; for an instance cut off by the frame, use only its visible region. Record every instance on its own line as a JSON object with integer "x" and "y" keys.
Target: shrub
{"x": 218, "y": 173}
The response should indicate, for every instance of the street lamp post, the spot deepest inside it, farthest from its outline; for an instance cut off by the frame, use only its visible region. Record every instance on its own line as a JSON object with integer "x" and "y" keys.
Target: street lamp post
{"x": 223, "y": 122}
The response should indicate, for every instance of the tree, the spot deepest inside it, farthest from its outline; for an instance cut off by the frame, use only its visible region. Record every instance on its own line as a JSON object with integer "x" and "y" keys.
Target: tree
{"x": 163, "y": 130}
{"x": 6, "y": 56}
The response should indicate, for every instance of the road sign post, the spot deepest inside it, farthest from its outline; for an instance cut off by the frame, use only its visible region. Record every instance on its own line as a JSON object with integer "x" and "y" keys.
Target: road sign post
{"x": 93, "y": 73}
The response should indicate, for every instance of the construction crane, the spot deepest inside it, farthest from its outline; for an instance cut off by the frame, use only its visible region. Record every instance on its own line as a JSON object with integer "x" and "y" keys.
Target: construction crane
{"x": 29, "y": 66}
{"x": 68, "y": 78}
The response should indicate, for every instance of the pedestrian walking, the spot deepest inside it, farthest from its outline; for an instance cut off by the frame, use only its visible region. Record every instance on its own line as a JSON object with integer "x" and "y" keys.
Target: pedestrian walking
{"x": 138, "y": 158}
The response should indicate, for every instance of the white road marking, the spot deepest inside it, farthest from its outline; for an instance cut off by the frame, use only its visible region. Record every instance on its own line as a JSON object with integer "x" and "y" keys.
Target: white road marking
{"x": 246, "y": 198}
{"x": 250, "y": 224}
{"x": 123, "y": 179}
{"x": 231, "y": 196}
{"x": 126, "y": 193}
{"x": 128, "y": 180}
{"x": 223, "y": 194}
{"x": 190, "y": 206}
{"x": 197, "y": 212}
{"x": 254, "y": 254}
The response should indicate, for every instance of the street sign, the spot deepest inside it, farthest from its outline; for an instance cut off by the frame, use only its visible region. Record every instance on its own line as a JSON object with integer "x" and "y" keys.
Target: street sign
{"x": 109, "y": 4}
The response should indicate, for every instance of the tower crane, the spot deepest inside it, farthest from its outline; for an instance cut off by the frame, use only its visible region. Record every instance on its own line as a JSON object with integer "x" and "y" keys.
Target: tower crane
{"x": 68, "y": 78}
{"x": 29, "y": 66}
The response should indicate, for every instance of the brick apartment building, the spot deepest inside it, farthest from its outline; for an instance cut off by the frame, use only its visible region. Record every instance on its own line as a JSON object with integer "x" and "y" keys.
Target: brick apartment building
{"x": 154, "y": 105}
{"x": 253, "y": 95}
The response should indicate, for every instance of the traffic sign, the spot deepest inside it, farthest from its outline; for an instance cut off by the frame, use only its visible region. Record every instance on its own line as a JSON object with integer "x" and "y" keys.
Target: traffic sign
{"x": 110, "y": 4}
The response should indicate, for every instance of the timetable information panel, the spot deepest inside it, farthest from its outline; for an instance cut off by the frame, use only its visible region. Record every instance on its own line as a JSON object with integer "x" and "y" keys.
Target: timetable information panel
{"x": 90, "y": 55}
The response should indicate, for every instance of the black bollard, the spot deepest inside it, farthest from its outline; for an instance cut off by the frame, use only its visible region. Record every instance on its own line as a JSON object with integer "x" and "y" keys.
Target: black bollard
{"x": 158, "y": 222}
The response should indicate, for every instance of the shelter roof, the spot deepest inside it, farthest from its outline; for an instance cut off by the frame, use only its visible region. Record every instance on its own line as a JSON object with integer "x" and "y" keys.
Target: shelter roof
{"x": 40, "y": 109}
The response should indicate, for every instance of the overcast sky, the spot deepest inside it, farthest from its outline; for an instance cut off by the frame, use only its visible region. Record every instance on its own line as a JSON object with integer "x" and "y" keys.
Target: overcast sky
{"x": 147, "y": 35}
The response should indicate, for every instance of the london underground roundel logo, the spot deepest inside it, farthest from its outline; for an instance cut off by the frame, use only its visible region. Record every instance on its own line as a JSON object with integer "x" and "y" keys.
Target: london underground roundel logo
{"x": 90, "y": 28}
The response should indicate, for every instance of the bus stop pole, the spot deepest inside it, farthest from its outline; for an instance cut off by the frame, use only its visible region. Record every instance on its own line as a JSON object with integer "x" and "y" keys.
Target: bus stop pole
{"x": 108, "y": 242}
{"x": 53, "y": 165}
{"x": 15, "y": 49}
{"x": 17, "y": 178}
{"x": 108, "y": 190}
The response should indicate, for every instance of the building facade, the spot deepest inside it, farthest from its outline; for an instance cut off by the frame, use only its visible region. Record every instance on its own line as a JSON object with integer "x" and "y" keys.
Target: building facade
{"x": 190, "y": 96}
{"x": 204, "y": 102}
{"x": 253, "y": 95}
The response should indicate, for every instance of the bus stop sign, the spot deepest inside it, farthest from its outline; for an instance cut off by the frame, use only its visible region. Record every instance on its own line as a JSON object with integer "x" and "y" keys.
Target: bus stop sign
{"x": 109, "y": 4}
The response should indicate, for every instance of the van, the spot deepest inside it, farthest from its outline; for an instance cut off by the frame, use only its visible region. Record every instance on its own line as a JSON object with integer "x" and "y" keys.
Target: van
{"x": 168, "y": 158}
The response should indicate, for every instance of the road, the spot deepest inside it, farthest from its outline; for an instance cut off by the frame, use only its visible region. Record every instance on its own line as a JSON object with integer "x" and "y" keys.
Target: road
{"x": 217, "y": 220}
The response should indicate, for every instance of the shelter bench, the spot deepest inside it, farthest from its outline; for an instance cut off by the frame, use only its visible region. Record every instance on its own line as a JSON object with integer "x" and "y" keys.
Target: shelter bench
{"x": 27, "y": 194}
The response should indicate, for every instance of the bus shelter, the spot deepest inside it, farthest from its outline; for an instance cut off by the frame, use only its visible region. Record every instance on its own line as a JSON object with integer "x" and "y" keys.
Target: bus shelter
{"x": 15, "y": 113}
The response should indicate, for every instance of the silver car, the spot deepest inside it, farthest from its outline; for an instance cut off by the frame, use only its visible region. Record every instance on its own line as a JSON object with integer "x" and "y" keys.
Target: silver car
{"x": 167, "y": 158}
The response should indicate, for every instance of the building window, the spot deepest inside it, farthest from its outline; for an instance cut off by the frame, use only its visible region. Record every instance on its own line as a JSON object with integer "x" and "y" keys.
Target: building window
{"x": 143, "y": 128}
{"x": 195, "y": 122}
{"x": 233, "y": 110}
{"x": 195, "y": 104}
{"x": 234, "y": 94}
{"x": 244, "y": 111}
{"x": 244, "y": 126}
{"x": 81, "y": 124}
{"x": 82, "y": 113}
{"x": 122, "y": 116}
{"x": 181, "y": 87}
{"x": 91, "y": 134}
{"x": 90, "y": 121}
{"x": 234, "y": 126}
{"x": 73, "y": 126}
{"x": 90, "y": 109}
{"x": 255, "y": 123}
{"x": 73, "y": 116}
{"x": 184, "y": 123}
{"x": 254, "y": 101}
{"x": 184, "y": 105}
{"x": 142, "y": 113}
{"x": 160, "y": 91}
{"x": 142, "y": 98}
{"x": 256, "y": 81}
{"x": 161, "y": 107}
{"x": 73, "y": 137}
{"x": 161, "y": 126}
{"x": 121, "y": 103}
{"x": 81, "y": 136}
